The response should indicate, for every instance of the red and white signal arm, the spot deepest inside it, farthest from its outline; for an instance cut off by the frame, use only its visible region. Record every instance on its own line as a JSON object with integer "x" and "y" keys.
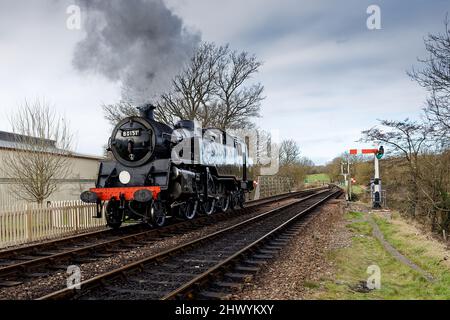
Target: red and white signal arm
{"x": 363, "y": 151}
{"x": 353, "y": 180}
{"x": 377, "y": 152}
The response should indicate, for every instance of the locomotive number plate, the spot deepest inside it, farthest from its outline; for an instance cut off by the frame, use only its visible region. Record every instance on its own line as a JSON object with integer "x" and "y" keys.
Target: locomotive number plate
{"x": 131, "y": 133}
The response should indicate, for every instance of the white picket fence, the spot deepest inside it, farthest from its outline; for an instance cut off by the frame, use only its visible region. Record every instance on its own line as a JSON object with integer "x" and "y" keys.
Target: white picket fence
{"x": 24, "y": 223}
{"x": 27, "y": 223}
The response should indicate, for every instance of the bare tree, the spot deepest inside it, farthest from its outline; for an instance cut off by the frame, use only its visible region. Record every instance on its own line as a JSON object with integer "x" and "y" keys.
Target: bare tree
{"x": 291, "y": 164}
{"x": 194, "y": 89}
{"x": 333, "y": 169}
{"x": 306, "y": 162}
{"x": 116, "y": 112}
{"x": 42, "y": 142}
{"x": 289, "y": 153}
{"x": 435, "y": 181}
{"x": 419, "y": 168}
{"x": 237, "y": 103}
{"x": 407, "y": 139}
{"x": 211, "y": 89}
{"x": 435, "y": 77}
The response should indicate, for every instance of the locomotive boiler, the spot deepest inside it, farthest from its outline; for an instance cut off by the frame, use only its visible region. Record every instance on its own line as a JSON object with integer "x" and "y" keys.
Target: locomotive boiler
{"x": 158, "y": 171}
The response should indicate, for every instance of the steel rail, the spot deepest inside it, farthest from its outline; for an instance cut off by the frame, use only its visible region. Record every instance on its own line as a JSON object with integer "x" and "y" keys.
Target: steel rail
{"x": 102, "y": 279}
{"x": 187, "y": 290}
{"x": 20, "y": 268}
{"x": 36, "y": 247}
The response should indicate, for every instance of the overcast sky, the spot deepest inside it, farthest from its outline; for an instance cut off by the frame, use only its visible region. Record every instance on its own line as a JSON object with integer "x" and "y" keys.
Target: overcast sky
{"x": 326, "y": 75}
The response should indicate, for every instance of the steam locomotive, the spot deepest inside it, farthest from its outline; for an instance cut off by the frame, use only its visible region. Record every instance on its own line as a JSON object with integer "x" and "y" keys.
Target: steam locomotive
{"x": 159, "y": 172}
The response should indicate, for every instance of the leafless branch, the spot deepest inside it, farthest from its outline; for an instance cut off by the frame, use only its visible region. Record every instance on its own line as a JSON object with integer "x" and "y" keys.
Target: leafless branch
{"x": 212, "y": 89}
{"x": 42, "y": 142}
{"x": 434, "y": 76}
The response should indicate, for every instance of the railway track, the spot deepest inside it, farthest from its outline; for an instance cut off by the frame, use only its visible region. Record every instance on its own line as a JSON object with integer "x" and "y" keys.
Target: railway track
{"x": 209, "y": 267}
{"x": 21, "y": 264}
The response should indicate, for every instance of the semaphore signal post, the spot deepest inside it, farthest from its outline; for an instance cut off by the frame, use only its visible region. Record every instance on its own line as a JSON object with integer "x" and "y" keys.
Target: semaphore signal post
{"x": 375, "y": 183}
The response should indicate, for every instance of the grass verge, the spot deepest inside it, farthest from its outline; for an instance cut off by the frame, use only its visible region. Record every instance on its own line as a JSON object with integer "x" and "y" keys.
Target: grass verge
{"x": 319, "y": 177}
{"x": 398, "y": 281}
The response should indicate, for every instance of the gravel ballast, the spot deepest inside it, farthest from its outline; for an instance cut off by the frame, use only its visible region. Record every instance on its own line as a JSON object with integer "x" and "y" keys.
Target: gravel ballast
{"x": 303, "y": 263}
{"x": 41, "y": 286}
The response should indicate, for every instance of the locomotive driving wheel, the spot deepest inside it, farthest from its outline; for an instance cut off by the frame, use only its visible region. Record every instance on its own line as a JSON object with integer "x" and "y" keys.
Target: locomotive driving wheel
{"x": 114, "y": 216}
{"x": 188, "y": 210}
{"x": 209, "y": 206}
{"x": 223, "y": 204}
{"x": 157, "y": 214}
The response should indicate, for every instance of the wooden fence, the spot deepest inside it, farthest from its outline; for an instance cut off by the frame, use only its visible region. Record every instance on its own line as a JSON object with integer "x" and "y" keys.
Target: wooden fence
{"x": 27, "y": 223}
{"x": 24, "y": 223}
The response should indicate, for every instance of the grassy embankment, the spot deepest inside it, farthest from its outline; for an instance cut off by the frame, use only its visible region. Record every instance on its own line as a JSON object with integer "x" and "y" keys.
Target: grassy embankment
{"x": 317, "y": 178}
{"x": 320, "y": 178}
{"x": 398, "y": 281}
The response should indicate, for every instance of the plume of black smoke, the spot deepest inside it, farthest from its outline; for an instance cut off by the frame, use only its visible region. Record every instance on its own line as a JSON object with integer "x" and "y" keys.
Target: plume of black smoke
{"x": 140, "y": 43}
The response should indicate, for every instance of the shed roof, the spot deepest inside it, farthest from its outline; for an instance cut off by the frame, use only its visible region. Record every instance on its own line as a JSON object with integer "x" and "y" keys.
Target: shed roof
{"x": 14, "y": 141}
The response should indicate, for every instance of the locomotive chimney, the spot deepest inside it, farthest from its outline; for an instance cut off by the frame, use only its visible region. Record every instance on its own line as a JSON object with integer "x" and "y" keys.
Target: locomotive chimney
{"x": 147, "y": 111}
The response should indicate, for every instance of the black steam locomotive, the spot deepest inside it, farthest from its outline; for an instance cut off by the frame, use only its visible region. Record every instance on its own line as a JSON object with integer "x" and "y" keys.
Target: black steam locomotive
{"x": 159, "y": 172}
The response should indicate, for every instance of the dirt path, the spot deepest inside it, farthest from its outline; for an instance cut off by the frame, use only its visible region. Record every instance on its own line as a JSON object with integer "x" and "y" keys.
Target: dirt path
{"x": 376, "y": 232}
